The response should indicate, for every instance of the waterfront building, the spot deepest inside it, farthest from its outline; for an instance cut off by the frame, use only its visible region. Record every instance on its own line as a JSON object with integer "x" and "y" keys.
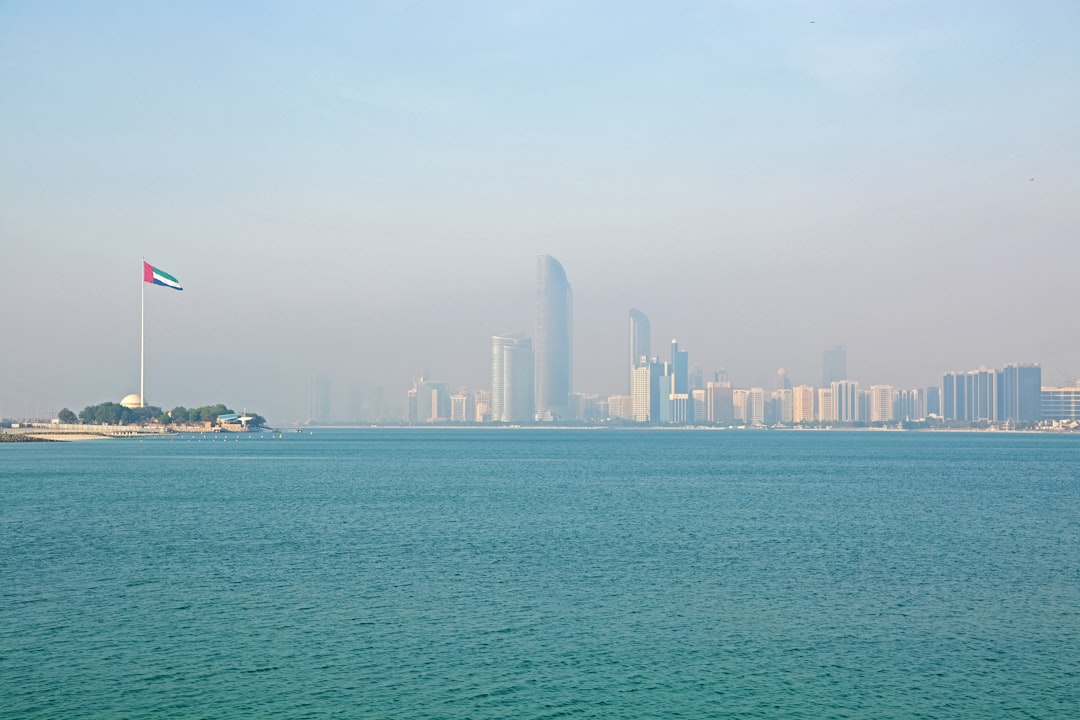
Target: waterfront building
{"x": 640, "y": 343}
{"x": 933, "y": 401}
{"x": 1021, "y": 391}
{"x": 738, "y": 405}
{"x": 845, "y": 397}
{"x": 462, "y": 407}
{"x": 755, "y": 406}
{"x": 428, "y": 402}
{"x": 1061, "y": 403}
{"x": 718, "y": 402}
{"x": 833, "y": 365}
{"x": 912, "y": 405}
{"x": 680, "y": 368}
{"x": 802, "y": 404}
{"x": 647, "y": 390}
{"x": 621, "y": 407}
{"x": 554, "y": 340}
{"x": 883, "y": 401}
{"x": 697, "y": 397}
{"x": 483, "y": 406}
{"x": 511, "y": 379}
{"x": 826, "y": 405}
{"x": 781, "y": 407}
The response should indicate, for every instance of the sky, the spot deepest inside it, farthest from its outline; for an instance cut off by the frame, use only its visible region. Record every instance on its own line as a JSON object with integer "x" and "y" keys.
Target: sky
{"x": 359, "y": 191}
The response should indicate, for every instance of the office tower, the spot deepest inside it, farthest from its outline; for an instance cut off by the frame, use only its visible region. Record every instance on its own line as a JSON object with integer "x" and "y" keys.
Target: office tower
{"x": 428, "y": 401}
{"x": 665, "y": 392}
{"x": 833, "y": 365}
{"x": 802, "y": 404}
{"x": 511, "y": 379}
{"x": 845, "y": 395}
{"x": 680, "y": 368}
{"x": 554, "y": 340}
{"x": 697, "y": 397}
{"x": 697, "y": 378}
{"x": 883, "y": 400}
{"x": 933, "y": 402}
{"x": 738, "y": 405}
{"x": 864, "y": 405}
{"x": 783, "y": 382}
{"x": 640, "y": 343}
{"x": 826, "y": 406}
{"x": 718, "y": 407}
{"x": 1021, "y": 390}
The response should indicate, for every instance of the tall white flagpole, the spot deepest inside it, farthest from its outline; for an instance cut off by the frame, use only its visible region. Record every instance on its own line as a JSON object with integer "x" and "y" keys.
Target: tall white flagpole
{"x": 142, "y": 339}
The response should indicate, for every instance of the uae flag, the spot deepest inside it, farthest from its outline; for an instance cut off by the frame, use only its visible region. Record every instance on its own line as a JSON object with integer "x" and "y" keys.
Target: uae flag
{"x": 155, "y": 276}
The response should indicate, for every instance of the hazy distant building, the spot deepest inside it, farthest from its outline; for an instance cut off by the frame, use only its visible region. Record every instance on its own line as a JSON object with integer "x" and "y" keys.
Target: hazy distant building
{"x": 883, "y": 400}
{"x": 697, "y": 397}
{"x": 640, "y": 343}
{"x": 462, "y": 407}
{"x": 933, "y": 401}
{"x": 738, "y": 406}
{"x": 718, "y": 402}
{"x": 826, "y": 406}
{"x": 783, "y": 382}
{"x": 483, "y": 406}
{"x": 428, "y": 402}
{"x": 802, "y": 404}
{"x": 554, "y": 340}
{"x": 511, "y": 379}
{"x": 1061, "y": 403}
{"x": 680, "y": 368}
{"x": 833, "y": 365}
{"x": 755, "y": 406}
{"x": 646, "y": 392}
{"x": 845, "y": 396}
{"x": 318, "y": 399}
{"x": 1021, "y": 393}
{"x": 621, "y": 407}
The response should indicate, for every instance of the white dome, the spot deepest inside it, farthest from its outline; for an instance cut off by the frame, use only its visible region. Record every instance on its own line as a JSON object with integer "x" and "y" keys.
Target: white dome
{"x": 131, "y": 401}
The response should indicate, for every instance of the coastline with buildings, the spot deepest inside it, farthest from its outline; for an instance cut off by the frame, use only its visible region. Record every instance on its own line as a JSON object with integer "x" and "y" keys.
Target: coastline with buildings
{"x": 532, "y": 385}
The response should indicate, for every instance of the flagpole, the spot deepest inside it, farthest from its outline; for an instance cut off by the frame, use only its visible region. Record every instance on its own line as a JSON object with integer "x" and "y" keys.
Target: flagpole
{"x": 142, "y": 339}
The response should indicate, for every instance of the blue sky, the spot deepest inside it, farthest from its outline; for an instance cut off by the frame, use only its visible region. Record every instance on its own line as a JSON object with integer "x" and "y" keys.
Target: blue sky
{"x": 360, "y": 189}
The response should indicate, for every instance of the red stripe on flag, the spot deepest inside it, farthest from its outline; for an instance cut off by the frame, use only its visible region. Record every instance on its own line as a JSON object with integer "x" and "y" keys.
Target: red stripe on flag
{"x": 147, "y": 272}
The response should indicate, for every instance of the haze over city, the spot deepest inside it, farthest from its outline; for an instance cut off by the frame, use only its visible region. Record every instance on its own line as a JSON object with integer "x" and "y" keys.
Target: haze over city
{"x": 360, "y": 191}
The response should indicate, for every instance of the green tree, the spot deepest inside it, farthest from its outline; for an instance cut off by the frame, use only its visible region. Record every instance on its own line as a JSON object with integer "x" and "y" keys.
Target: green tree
{"x": 67, "y": 417}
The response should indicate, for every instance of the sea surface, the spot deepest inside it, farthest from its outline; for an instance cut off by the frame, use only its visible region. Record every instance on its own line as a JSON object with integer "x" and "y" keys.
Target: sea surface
{"x": 482, "y": 573}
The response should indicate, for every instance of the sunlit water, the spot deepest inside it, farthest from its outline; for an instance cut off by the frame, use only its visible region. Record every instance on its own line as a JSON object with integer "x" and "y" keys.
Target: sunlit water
{"x": 542, "y": 574}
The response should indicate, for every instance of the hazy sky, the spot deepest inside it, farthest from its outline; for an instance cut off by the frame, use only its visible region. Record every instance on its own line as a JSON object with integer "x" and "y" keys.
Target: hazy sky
{"x": 360, "y": 190}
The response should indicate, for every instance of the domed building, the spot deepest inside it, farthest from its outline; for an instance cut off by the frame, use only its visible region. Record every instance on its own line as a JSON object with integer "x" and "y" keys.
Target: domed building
{"x": 132, "y": 401}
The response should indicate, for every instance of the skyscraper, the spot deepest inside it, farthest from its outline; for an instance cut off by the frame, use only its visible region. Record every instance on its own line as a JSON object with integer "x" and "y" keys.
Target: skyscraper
{"x": 1021, "y": 393}
{"x": 554, "y": 340}
{"x": 833, "y": 365}
{"x": 511, "y": 379}
{"x": 640, "y": 343}
{"x": 680, "y": 368}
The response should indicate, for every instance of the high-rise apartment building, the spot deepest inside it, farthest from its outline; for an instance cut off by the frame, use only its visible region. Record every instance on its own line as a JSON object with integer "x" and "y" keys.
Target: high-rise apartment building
{"x": 554, "y": 340}
{"x": 883, "y": 401}
{"x": 833, "y": 365}
{"x": 1021, "y": 393}
{"x": 738, "y": 405}
{"x": 826, "y": 405}
{"x": 845, "y": 394}
{"x": 646, "y": 391}
{"x": 511, "y": 379}
{"x": 1061, "y": 403}
{"x": 802, "y": 404}
{"x": 640, "y": 343}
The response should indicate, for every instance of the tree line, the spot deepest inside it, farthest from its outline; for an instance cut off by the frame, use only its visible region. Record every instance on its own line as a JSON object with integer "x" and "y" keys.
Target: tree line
{"x": 111, "y": 413}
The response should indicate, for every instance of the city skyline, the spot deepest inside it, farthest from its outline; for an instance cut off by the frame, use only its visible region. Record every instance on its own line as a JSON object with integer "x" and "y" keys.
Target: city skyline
{"x": 355, "y": 192}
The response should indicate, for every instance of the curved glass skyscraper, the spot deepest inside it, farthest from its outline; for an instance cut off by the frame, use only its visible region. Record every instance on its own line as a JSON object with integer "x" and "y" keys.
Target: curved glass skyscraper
{"x": 553, "y": 342}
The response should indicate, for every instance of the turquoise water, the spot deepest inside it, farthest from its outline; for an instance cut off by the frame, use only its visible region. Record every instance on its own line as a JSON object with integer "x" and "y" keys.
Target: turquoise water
{"x": 542, "y": 574}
